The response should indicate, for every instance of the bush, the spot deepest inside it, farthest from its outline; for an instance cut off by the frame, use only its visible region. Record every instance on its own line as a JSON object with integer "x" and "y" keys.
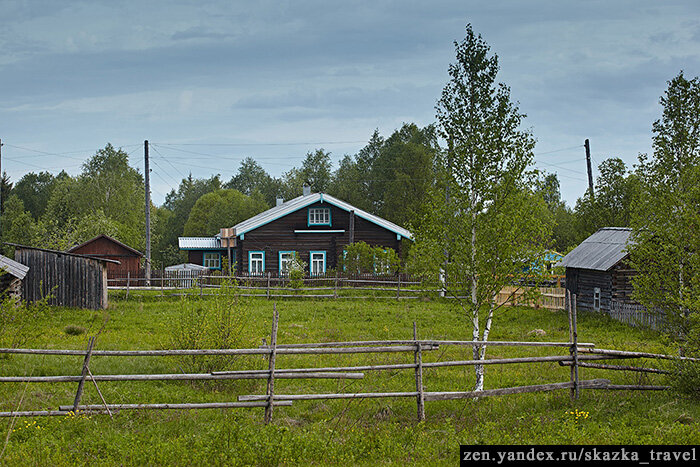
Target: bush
{"x": 18, "y": 320}
{"x": 362, "y": 258}
{"x": 216, "y": 323}
{"x": 73, "y": 330}
{"x": 297, "y": 271}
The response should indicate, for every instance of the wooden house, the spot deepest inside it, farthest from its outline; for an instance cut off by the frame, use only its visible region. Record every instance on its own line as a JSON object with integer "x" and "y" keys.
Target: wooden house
{"x": 597, "y": 270}
{"x": 63, "y": 279}
{"x": 12, "y": 274}
{"x": 125, "y": 260}
{"x": 316, "y": 226}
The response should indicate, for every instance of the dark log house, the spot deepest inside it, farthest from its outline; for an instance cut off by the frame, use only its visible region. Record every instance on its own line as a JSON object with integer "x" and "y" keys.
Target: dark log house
{"x": 597, "y": 270}
{"x": 316, "y": 226}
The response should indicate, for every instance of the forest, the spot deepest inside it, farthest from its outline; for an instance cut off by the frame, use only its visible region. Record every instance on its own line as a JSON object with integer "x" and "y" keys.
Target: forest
{"x": 390, "y": 177}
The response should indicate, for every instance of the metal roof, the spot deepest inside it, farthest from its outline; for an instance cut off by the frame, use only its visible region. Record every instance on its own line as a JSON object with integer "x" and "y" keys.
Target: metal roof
{"x": 187, "y": 267}
{"x": 199, "y": 243}
{"x": 18, "y": 270}
{"x": 301, "y": 202}
{"x": 601, "y": 251}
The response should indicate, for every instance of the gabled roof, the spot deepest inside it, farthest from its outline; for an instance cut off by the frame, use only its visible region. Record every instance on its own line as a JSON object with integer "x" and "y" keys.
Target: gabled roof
{"x": 107, "y": 237}
{"x": 199, "y": 243}
{"x": 18, "y": 270}
{"x": 601, "y": 251}
{"x": 301, "y": 202}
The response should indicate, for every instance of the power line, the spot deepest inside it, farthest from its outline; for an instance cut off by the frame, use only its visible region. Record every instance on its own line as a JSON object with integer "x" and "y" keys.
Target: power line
{"x": 265, "y": 144}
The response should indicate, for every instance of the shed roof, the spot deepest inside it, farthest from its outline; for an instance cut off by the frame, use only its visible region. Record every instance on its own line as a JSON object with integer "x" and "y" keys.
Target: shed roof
{"x": 111, "y": 239}
{"x": 601, "y": 251}
{"x": 301, "y": 202}
{"x": 187, "y": 267}
{"x": 199, "y": 243}
{"x": 18, "y": 270}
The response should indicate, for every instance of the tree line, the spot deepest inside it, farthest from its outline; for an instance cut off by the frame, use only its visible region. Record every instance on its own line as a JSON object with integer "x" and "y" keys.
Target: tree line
{"x": 390, "y": 177}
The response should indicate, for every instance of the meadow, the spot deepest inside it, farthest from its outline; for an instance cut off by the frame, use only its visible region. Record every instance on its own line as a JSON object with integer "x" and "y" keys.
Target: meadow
{"x": 361, "y": 432}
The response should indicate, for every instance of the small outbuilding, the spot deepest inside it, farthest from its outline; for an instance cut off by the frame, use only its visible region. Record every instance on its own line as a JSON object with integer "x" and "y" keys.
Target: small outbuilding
{"x": 598, "y": 272}
{"x": 126, "y": 260}
{"x": 11, "y": 275}
{"x": 63, "y": 279}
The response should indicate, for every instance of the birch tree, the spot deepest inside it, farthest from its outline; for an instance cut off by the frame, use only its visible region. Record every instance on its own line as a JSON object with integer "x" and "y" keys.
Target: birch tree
{"x": 482, "y": 223}
{"x": 666, "y": 248}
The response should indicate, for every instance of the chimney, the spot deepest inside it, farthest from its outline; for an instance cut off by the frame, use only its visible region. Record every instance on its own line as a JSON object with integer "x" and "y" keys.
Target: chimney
{"x": 280, "y": 200}
{"x": 307, "y": 189}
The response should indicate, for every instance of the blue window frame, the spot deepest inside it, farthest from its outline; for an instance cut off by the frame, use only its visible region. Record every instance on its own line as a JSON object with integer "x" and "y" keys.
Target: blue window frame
{"x": 319, "y": 216}
{"x": 256, "y": 262}
{"x": 285, "y": 259}
{"x": 211, "y": 259}
{"x": 317, "y": 263}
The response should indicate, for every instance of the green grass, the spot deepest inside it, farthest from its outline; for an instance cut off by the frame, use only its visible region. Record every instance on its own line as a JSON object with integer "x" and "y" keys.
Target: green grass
{"x": 360, "y": 432}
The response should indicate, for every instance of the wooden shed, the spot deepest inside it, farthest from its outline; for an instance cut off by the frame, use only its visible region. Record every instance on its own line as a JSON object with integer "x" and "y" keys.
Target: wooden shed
{"x": 127, "y": 260}
{"x": 597, "y": 270}
{"x": 66, "y": 279}
{"x": 12, "y": 274}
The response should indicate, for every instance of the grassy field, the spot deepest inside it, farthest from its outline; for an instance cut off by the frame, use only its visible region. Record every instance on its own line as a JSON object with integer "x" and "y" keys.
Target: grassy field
{"x": 360, "y": 432}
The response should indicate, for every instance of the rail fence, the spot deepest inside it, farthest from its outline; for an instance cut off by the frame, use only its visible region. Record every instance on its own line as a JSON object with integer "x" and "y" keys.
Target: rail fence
{"x": 581, "y": 355}
{"x": 271, "y": 286}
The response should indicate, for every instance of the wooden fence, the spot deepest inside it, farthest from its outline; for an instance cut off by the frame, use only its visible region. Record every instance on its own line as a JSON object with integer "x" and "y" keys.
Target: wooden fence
{"x": 271, "y": 286}
{"x": 635, "y": 314}
{"x": 580, "y": 355}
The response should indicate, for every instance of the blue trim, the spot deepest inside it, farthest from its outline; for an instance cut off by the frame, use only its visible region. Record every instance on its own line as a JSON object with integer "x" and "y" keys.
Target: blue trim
{"x": 240, "y": 235}
{"x": 308, "y": 216}
{"x": 212, "y": 252}
{"x": 249, "y": 262}
{"x": 279, "y": 259}
{"x": 311, "y": 253}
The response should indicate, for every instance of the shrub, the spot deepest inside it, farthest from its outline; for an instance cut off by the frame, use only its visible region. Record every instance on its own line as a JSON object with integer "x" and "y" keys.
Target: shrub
{"x": 215, "y": 323}
{"x": 18, "y": 319}
{"x": 73, "y": 330}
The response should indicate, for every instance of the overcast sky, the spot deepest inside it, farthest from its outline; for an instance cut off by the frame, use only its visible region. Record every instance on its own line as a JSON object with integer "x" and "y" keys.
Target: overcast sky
{"x": 210, "y": 83}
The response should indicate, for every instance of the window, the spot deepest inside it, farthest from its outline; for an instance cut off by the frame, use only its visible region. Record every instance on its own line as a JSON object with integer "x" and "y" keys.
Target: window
{"x": 319, "y": 216}
{"x": 596, "y": 299}
{"x": 256, "y": 262}
{"x": 317, "y": 260}
{"x": 286, "y": 258}
{"x": 212, "y": 260}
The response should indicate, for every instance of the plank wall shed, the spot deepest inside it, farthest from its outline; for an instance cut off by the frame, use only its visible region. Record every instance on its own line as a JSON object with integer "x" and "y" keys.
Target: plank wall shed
{"x": 126, "y": 259}
{"x": 68, "y": 279}
{"x": 597, "y": 270}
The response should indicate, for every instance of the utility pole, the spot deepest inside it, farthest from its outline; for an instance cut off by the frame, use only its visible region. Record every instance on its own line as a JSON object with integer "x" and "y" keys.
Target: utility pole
{"x": 1, "y": 183}
{"x": 588, "y": 163}
{"x": 148, "y": 213}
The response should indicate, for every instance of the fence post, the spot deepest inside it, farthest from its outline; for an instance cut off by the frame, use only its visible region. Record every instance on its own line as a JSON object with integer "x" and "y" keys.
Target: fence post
{"x": 398, "y": 287}
{"x": 418, "y": 360}
{"x": 271, "y": 377}
{"x": 568, "y": 306}
{"x": 335, "y": 290}
{"x": 128, "y": 279}
{"x": 86, "y": 363}
{"x": 268, "y": 285}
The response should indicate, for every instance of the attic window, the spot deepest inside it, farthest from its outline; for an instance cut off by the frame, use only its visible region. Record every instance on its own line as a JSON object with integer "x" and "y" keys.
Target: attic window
{"x": 319, "y": 216}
